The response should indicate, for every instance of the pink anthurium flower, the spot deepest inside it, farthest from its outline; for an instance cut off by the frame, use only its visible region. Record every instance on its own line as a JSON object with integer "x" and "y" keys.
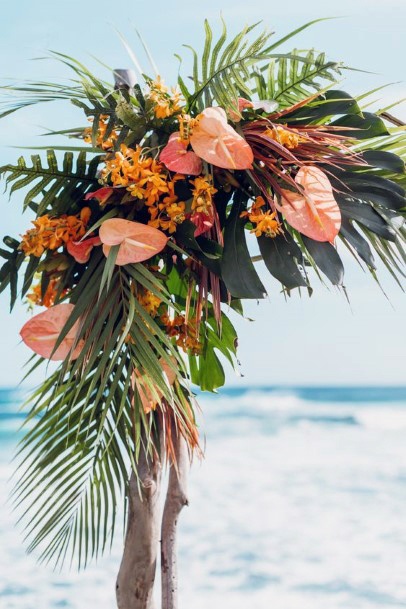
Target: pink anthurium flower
{"x": 102, "y": 195}
{"x": 81, "y": 250}
{"x": 314, "y": 212}
{"x": 137, "y": 241}
{"x": 41, "y": 332}
{"x": 216, "y": 142}
{"x": 176, "y": 157}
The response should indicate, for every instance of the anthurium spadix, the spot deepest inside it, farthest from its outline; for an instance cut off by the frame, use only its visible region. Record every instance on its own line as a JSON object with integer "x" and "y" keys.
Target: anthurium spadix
{"x": 314, "y": 211}
{"x": 138, "y": 242}
{"x": 41, "y": 332}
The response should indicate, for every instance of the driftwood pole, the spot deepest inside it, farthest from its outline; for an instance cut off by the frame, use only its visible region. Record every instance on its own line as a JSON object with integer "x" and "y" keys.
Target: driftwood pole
{"x": 136, "y": 577}
{"x": 176, "y": 499}
{"x": 135, "y": 580}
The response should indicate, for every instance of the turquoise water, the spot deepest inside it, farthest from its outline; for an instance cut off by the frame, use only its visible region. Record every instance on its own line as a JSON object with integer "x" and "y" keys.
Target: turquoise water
{"x": 300, "y": 503}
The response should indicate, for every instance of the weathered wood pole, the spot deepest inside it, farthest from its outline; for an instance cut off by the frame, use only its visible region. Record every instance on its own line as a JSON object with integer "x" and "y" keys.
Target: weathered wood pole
{"x": 176, "y": 499}
{"x": 135, "y": 580}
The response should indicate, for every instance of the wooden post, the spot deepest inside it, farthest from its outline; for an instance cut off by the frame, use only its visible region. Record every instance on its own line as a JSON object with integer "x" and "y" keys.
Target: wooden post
{"x": 176, "y": 499}
{"x": 135, "y": 581}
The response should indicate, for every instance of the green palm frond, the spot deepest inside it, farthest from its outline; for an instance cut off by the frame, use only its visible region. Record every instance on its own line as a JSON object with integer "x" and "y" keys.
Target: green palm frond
{"x": 229, "y": 70}
{"x": 86, "y": 424}
{"x": 65, "y": 182}
{"x": 288, "y": 80}
{"x": 98, "y": 94}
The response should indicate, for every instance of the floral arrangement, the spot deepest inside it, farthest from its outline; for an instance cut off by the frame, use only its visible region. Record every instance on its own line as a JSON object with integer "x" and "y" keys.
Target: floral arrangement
{"x": 140, "y": 247}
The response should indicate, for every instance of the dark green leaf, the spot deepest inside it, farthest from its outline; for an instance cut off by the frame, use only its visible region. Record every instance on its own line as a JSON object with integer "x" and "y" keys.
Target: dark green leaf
{"x": 326, "y": 258}
{"x": 281, "y": 255}
{"x": 331, "y": 103}
{"x": 237, "y": 269}
{"x": 362, "y": 127}
{"x": 365, "y": 215}
{"x": 384, "y": 160}
{"x": 361, "y": 246}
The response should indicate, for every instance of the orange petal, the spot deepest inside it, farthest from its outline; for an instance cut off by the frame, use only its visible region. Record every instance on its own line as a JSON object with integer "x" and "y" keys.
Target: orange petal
{"x": 138, "y": 242}
{"x": 41, "y": 332}
{"x": 216, "y": 142}
{"x": 81, "y": 250}
{"x": 315, "y": 213}
{"x": 176, "y": 157}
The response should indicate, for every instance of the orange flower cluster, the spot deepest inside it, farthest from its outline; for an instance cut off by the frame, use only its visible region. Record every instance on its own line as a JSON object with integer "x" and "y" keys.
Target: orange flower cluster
{"x": 165, "y": 103}
{"x": 203, "y": 192}
{"x": 149, "y": 301}
{"x": 35, "y": 296}
{"x": 170, "y": 212}
{"x": 147, "y": 180}
{"x": 101, "y": 140}
{"x": 51, "y": 233}
{"x": 286, "y": 137}
{"x": 141, "y": 175}
{"x": 265, "y": 222}
{"x": 186, "y": 333}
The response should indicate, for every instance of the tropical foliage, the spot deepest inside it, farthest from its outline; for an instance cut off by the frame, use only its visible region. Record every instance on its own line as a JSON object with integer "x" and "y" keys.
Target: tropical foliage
{"x": 138, "y": 251}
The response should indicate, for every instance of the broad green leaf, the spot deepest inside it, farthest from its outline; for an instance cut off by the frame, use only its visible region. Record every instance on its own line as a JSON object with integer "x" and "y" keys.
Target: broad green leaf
{"x": 237, "y": 269}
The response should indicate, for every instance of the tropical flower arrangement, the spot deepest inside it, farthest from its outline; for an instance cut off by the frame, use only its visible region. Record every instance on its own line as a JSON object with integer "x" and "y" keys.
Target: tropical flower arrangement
{"x": 140, "y": 247}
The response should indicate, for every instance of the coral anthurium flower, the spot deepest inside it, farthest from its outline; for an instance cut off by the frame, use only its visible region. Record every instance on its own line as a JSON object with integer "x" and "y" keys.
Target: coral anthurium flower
{"x": 137, "y": 241}
{"x": 176, "y": 157}
{"x": 314, "y": 212}
{"x": 149, "y": 400}
{"x": 81, "y": 250}
{"x": 102, "y": 195}
{"x": 216, "y": 142}
{"x": 41, "y": 332}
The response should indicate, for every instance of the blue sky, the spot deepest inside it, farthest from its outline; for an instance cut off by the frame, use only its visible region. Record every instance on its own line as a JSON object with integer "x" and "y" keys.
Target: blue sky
{"x": 321, "y": 340}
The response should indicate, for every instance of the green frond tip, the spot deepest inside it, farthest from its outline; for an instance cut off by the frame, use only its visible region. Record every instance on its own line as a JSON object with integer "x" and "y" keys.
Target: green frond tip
{"x": 59, "y": 185}
{"x": 227, "y": 71}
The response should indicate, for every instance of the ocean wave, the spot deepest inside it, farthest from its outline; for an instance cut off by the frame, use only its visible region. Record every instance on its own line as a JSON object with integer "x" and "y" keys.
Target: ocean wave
{"x": 337, "y": 394}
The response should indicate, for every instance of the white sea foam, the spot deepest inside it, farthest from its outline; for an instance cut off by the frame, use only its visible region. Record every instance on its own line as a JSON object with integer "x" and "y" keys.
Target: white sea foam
{"x": 297, "y": 505}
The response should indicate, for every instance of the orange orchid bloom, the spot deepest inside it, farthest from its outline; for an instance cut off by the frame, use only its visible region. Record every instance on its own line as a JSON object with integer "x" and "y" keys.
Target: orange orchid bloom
{"x": 41, "y": 332}
{"x": 176, "y": 157}
{"x": 216, "y": 142}
{"x": 81, "y": 250}
{"x": 314, "y": 212}
{"x": 138, "y": 242}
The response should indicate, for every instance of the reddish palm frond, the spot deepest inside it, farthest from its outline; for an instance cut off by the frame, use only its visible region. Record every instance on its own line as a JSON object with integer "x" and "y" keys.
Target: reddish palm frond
{"x": 275, "y": 164}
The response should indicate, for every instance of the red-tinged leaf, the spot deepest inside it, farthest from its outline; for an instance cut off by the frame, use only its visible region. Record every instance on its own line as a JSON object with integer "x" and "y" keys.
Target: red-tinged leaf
{"x": 176, "y": 157}
{"x": 138, "y": 242}
{"x": 216, "y": 142}
{"x": 41, "y": 332}
{"x": 202, "y": 221}
{"x": 81, "y": 250}
{"x": 314, "y": 212}
{"x": 102, "y": 195}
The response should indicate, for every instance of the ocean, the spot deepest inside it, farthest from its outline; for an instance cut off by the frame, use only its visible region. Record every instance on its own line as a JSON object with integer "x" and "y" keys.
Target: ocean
{"x": 299, "y": 503}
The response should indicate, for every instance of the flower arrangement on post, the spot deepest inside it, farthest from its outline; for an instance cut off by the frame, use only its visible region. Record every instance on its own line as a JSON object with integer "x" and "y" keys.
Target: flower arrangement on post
{"x": 138, "y": 251}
